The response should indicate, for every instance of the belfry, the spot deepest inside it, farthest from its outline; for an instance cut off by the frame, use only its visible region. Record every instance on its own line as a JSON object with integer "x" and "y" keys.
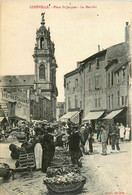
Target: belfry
{"x": 45, "y": 66}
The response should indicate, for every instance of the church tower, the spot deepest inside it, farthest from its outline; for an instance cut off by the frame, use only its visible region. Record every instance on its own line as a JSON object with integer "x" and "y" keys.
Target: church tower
{"x": 45, "y": 66}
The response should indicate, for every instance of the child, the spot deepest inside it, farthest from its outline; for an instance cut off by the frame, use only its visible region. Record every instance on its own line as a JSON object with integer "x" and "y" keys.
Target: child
{"x": 104, "y": 136}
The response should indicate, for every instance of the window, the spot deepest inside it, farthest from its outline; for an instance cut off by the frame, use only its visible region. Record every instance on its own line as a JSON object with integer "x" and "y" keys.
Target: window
{"x": 80, "y": 104}
{"x": 112, "y": 78}
{"x": 97, "y": 83}
{"x": 68, "y": 85}
{"x": 97, "y": 63}
{"x": 42, "y": 72}
{"x": 95, "y": 102}
{"x": 123, "y": 74}
{"x": 118, "y": 98}
{"x": 122, "y": 100}
{"x": 109, "y": 80}
{"x": 41, "y": 43}
{"x": 89, "y": 67}
{"x": 69, "y": 102}
{"x": 99, "y": 102}
{"x": 76, "y": 101}
{"x": 112, "y": 101}
{"x": 76, "y": 83}
{"x": 117, "y": 77}
{"x": 109, "y": 102}
{"x": 89, "y": 83}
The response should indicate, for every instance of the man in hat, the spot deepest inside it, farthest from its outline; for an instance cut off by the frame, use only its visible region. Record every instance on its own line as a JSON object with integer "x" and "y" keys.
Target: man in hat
{"x": 104, "y": 136}
{"x": 48, "y": 149}
{"x": 115, "y": 134}
{"x": 74, "y": 146}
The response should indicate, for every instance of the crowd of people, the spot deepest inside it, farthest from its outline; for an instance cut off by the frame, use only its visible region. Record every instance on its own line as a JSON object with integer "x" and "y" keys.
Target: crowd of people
{"x": 43, "y": 138}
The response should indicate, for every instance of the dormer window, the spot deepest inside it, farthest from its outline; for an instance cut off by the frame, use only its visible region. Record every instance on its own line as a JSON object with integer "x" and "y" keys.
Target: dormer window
{"x": 97, "y": 63}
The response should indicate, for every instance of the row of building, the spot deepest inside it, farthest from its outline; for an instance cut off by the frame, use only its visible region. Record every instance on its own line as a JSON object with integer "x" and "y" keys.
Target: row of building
{"x": 99, "y": 88}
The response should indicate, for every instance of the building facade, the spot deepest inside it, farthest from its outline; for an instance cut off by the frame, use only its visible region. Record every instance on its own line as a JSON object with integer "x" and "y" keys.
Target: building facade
{"x": 60, "y": 110}
{"x": 103, "y": 82}
{"x": 33, "y": 96}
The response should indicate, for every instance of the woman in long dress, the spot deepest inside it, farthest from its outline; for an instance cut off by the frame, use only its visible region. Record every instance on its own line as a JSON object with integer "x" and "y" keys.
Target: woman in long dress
{"x": 38, "y": 149}
{"x": 127, "y": 133}
{"x": 122, "y": 131}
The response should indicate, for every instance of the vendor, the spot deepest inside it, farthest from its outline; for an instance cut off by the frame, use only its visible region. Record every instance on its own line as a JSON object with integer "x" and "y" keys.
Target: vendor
{"x": 74, "y": 146}
{"x": 48, "y": 149}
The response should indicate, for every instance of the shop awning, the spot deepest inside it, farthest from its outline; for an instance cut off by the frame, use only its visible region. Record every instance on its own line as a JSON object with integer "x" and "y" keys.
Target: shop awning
{"x": 68, "y": 115}
{"x": 112, "y": 114}
{"x": 1, "y": 119}
{"x": 93, "y": 115}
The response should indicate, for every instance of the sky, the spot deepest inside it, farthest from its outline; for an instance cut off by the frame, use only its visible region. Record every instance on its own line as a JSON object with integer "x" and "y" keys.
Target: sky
{"x": 76, "y": 32}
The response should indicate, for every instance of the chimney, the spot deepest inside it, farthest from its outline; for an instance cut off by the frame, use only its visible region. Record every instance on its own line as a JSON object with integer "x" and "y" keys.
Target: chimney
{"x": 78, "y": 64}
{"x": 98, "y": 48}
{"x": 127, "y": 32}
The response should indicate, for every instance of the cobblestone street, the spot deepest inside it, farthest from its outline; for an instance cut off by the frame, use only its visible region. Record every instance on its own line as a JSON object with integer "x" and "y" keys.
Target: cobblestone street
{"x": 109, "y": 174}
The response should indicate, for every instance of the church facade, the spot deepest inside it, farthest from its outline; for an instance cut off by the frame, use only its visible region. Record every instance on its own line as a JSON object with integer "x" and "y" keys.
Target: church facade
{"x": 33, "y": 96}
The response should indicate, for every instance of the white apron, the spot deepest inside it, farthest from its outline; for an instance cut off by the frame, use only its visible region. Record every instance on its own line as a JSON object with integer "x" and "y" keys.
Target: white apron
{"x": 38, "y": 155}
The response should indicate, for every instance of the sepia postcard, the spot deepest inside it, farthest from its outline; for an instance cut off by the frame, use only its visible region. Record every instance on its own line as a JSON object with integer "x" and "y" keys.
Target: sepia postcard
{"x": 65, "y": 97}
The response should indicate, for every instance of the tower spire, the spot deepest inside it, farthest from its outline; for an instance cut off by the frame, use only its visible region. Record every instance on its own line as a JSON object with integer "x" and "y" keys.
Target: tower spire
{"x": 42, "y": 20}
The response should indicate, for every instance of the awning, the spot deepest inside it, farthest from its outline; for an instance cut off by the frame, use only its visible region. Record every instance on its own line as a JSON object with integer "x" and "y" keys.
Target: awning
{"x": 112, "y": 114}
{"x": 1, "y": 119}
{"x": 75, "y": 118}
{"x": 93, "y": 115}
{"x": 68, "y": 115}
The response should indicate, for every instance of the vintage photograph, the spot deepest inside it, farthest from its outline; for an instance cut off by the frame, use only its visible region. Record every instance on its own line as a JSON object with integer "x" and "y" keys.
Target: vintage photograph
{"x": 65, "y": 97}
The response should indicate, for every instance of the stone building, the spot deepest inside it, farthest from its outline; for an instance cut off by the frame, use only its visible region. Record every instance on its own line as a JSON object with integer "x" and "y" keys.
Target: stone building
{"x": 98, "y": 91}
{"x": 60, "y": 110}
{"x": 33, "y": 96}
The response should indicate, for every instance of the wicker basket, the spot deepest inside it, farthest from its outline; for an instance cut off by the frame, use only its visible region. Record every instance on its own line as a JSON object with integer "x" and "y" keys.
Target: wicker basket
{"x": 71, "y": 188}
{"x": 4, "y": 170}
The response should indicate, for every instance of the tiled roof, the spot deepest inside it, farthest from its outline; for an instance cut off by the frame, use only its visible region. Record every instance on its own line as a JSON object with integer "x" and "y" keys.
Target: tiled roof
{"x": 117, "y": 51}
{"x": 16, "y": 80}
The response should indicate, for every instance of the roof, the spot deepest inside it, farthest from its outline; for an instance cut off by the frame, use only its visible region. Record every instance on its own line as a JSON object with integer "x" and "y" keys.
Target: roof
{"x": 72, "y": 72}
{"x": 16, "y": 80}
{"x": 96, "y": 55}
{"x": 117, "y": 51}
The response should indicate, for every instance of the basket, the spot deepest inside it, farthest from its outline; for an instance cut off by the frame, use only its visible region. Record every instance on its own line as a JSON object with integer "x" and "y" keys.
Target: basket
{"x": 71, "y": 188}
{"x": 4, "y": 170}
{"x": 56, "y": 170}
